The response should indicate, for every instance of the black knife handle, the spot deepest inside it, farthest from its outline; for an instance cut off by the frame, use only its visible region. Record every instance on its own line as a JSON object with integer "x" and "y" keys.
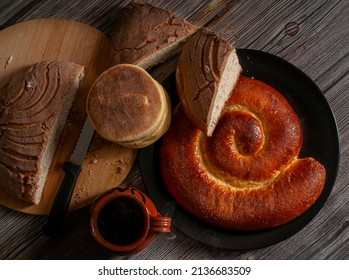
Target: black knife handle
{"x": 61, "y": 203}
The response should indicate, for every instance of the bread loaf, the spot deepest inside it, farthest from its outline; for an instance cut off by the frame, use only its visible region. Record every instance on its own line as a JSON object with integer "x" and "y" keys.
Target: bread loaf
{"x": 248, "y": 175}
{"x": 146, "y": 35}
{"x": 34, "y": 105}
{"x": 207, "y": 71}
{"x": 127, "y": 106}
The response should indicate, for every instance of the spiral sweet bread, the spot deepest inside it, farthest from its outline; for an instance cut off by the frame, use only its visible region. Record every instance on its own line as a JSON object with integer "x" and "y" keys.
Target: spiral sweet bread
{"x": 247, "y": 176}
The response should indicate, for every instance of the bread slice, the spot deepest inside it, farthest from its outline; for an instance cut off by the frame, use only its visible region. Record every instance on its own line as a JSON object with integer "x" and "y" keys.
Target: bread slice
{"x": 34, "y": 105}
{"x": 146, "y": 35}
{"x": 127, "y": 106}
{"x": 206, "y": 74}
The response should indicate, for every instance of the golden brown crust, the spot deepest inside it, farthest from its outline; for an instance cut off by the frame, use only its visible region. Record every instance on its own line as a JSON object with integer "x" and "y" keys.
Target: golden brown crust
{"x": 143, "y": 30}
{"x": 248, "y": 175}
{"x": 127, "y": 106}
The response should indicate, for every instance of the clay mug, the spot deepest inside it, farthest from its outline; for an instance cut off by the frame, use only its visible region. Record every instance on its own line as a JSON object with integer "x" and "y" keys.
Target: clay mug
{"x": 125, "y": 220}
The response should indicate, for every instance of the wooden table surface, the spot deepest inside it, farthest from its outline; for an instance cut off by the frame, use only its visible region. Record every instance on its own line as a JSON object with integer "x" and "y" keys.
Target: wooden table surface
{"x": 312, "y": 35}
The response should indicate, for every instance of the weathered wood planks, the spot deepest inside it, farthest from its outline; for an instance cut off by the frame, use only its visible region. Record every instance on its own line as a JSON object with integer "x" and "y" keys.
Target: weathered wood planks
{"x": 320, "y": 48}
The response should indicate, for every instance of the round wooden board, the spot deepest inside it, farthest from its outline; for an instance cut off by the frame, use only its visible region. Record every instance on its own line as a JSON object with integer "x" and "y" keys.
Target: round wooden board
{"x": 106, "y": 163}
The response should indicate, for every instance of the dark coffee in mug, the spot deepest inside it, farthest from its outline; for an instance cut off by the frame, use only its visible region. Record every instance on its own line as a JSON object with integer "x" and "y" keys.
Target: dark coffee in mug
{"x": 122, "y": 221}
{"x": 125, "y": 220}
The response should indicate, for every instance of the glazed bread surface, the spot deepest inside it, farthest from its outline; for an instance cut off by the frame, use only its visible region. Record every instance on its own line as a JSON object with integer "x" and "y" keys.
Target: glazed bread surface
{"x": 248, "y": 175}
{"x": 34, "y": 106}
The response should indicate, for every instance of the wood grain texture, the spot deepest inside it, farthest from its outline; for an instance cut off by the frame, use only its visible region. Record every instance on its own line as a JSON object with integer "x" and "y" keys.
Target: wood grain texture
{"x": 320, "y": 48}
{"x": 60, "y": 39}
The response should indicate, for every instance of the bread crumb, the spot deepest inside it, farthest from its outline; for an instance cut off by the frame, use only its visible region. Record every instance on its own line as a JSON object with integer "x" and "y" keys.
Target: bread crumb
{"x": 8, "y": 61}
{"x": 123, "y": 161}
{"x": 29, "y": 84}
{"x": 171, "y": 39}
{"x": 119, "y": 170}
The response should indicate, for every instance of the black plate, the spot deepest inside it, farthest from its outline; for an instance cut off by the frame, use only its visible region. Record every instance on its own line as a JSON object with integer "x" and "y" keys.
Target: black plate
{"x": 320, "y": 141}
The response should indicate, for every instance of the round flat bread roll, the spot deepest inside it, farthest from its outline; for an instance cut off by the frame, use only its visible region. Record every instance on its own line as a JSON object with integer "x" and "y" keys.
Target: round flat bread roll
{"x": 127, "y": 106}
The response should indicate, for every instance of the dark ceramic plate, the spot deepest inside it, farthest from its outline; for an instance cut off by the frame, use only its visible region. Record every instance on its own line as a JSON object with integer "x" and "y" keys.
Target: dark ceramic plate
{"x": 320, "y": 141}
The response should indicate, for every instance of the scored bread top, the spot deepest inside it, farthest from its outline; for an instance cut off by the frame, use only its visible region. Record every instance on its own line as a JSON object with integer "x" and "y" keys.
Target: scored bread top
{"x": 34, "y": 104}
{"x": 207, "y": 72}
{"x": 143, "y": 30}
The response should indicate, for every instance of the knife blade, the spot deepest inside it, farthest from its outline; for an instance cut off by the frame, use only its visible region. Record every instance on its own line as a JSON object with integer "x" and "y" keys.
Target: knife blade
{"x": 72, "y": 169}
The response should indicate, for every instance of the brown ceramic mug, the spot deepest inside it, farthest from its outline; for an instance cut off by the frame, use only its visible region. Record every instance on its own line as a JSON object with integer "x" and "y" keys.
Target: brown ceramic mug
{"x": 125, "y": 220}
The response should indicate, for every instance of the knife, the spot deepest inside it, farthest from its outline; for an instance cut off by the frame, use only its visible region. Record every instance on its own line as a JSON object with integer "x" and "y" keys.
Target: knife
{"x": 72, "y": 170}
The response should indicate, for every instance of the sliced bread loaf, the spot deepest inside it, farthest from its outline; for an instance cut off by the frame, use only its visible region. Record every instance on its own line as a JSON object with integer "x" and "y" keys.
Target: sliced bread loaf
{"x": 34, "y": 105}
{"x": 206, "y": 74}
{"x": 146, "y": 35}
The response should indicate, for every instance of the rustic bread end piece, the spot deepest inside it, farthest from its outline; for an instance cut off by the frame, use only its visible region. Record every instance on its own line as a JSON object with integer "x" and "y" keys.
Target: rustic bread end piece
{"x": 34, "y": 105}
{"x": 146, "y": 35}
{"x": 207, "y": 72}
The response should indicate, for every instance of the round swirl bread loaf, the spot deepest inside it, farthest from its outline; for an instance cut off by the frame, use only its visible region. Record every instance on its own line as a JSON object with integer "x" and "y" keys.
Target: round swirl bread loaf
{"x": 247, "y": 176}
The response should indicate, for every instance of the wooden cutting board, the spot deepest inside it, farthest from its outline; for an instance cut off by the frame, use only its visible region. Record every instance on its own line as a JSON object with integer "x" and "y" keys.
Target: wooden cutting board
{"x": 106, "y": 163}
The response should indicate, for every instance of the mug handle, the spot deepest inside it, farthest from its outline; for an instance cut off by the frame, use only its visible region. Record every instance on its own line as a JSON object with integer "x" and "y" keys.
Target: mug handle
{"x": 160, "y": 224}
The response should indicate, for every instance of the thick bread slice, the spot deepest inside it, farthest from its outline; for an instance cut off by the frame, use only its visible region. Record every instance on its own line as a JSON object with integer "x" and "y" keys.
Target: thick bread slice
{"x": 207, "y": 72}
{"x": 34, "y": 105}
{"x": 146, "y": 35}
